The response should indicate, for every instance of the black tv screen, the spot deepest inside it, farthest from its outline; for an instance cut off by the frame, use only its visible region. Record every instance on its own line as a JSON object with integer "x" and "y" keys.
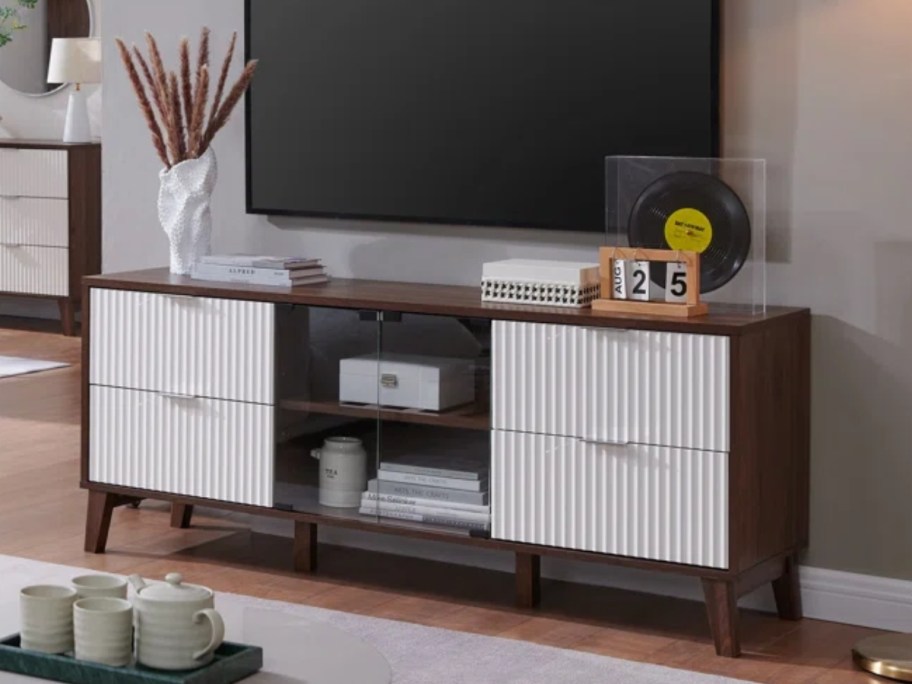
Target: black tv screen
{"x": 488, "y": 112}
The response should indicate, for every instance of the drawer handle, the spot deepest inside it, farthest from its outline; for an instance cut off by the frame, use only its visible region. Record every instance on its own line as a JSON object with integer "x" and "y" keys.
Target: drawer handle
{"x": 620, "y": 331}
{"x": 176, "y": 395}
{"x": 604, "y": 442}
{"x": 180, "y": 297}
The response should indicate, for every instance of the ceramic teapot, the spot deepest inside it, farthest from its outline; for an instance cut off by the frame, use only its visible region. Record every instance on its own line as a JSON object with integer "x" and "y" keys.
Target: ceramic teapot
{"x": 176, "y": 625}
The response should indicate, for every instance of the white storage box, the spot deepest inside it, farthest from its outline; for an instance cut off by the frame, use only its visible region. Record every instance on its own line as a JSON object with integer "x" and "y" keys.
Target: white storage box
{"x": 548, "y": 283}
{"x": 404, "y": 381}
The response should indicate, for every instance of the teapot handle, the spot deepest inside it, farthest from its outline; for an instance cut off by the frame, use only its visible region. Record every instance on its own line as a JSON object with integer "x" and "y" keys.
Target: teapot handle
{"x": 218, "y": 631}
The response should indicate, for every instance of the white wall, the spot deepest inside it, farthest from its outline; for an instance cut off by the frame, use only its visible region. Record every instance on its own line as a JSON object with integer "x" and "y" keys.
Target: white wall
{"x": 821, "y": 88}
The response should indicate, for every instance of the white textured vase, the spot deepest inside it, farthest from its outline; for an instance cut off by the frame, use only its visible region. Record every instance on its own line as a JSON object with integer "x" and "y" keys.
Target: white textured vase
{"x": 183, "y": 209}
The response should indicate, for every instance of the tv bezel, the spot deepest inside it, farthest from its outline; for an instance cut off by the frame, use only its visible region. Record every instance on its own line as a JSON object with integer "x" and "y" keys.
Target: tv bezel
{"x": 715, "y": 94}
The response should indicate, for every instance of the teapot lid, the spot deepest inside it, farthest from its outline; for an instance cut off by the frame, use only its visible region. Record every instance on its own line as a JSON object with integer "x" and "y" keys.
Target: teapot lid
{"x": 174, "y": 590}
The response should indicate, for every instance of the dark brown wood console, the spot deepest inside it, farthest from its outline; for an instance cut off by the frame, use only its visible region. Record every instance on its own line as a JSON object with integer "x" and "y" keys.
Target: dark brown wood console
{"x": 664, "y": 444}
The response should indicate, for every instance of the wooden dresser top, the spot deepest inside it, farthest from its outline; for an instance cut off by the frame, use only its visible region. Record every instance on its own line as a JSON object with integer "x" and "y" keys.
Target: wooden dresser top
{"x": 446, "y": 300}
{"x": 34, "y": 144}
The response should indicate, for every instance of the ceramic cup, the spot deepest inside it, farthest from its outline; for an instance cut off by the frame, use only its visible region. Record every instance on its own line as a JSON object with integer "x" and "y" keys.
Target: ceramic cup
{"x": 104, "y": 630}
{"x": 98, "y": 586}
{"x": 46, "y": 618}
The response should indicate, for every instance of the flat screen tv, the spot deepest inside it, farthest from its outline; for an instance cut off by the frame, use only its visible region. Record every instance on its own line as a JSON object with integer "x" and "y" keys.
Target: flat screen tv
{"x": 471, "y": 112}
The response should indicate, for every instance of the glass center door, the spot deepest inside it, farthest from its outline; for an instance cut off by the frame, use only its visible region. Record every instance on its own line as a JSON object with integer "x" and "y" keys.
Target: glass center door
{"x": 327, "y": 415}
{"x": 433, "y": 388}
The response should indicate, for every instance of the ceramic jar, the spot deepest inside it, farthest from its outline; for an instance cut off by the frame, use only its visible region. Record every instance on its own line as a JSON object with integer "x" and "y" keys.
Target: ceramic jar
{"x": 176, "y": 625}
{"x": 343, "y": 472}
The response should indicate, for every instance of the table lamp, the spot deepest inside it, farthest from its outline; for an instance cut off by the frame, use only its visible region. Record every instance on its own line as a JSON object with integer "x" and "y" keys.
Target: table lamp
{"x": 78, "y": 61}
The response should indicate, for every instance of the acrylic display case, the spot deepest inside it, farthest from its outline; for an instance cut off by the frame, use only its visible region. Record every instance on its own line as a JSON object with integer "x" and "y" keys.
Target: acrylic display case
{"x": 695, "y": 204}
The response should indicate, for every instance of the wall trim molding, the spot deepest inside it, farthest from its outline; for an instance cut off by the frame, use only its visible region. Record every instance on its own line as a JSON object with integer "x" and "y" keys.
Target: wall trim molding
{"x": 831, "y": 595}
{"x": 855, "y": 599}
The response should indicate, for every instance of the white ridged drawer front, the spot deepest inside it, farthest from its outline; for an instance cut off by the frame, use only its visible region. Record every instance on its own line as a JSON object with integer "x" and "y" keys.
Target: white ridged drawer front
{"x": 610, "y": 384}
{"x": 34, "y": 270}
{"x": 34, "y": 221}
{"x": 197, "y": 447}
{"x": 657, "y": 503}
{"x": 33, "y": 173}
{"x": 216, "y": 348}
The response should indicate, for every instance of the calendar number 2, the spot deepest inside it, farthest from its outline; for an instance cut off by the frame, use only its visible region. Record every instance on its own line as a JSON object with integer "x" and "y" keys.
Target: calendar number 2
{"x": 639, "y": 278}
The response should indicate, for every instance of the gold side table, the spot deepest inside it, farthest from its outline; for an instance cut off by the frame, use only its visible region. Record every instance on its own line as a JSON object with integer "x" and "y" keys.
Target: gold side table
{"x": 888, "y": 655}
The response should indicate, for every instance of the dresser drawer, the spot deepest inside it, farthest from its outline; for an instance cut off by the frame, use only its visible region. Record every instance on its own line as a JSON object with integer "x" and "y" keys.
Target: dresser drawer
{"x": 656, "y": 503}
{"x": 197, "y": 447}
{"x": 34, "y": 270}
{"x": 197, "y": 346}
{"x": 34, "y": 221}
{"x": 33, "y": 173}
{"x": 609, "y": 384}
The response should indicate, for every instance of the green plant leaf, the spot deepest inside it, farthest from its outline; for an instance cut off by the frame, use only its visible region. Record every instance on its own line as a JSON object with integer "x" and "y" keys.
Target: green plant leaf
{"x": 11, "y": 21}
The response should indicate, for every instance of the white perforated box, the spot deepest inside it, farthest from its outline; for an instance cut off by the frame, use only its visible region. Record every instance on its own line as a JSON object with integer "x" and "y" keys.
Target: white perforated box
{"x": 548, "y": 283}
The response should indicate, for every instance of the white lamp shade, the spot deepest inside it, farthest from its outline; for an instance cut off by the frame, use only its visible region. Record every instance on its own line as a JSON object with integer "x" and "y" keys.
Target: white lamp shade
{"x": 75, "y": 60}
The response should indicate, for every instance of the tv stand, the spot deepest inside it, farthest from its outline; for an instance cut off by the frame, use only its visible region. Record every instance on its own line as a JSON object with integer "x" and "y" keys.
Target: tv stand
{"x": 671, "y": 445}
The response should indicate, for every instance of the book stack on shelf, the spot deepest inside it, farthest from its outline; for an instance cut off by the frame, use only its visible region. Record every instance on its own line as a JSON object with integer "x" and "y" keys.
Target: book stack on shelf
{"x": 260, "y": 270}
{"x": 450, "y": 494}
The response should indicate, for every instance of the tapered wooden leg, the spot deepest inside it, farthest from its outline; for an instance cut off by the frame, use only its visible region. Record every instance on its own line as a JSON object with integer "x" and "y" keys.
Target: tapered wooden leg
{"x": 181, "y": 515}
{"x": 722, "y": 608}
{"x": 67, "y": 317}
{"x": 528, "y": 580}
{"x": 98, "y": 521}
{"x": 787, "y": 590}
{"x": 305, "y": 546}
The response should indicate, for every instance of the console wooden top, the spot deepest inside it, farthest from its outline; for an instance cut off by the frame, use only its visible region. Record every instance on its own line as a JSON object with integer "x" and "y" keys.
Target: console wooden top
{"x": 35, "y": 144}
{"x": 446, "y": 300}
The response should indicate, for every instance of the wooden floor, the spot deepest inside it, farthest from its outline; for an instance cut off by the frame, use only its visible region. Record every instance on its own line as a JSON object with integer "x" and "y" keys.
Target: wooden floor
{"x": 42, "y": 517}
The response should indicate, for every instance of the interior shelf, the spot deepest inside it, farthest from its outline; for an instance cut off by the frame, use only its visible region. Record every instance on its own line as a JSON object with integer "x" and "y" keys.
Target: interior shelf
{"x": 305, "y": 499}
{"x": 467, "y": 417}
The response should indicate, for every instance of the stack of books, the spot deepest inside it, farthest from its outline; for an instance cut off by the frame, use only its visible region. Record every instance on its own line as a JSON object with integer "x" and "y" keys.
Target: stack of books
{"x": 260, "y": 270}
{"x": 418, "y": 490}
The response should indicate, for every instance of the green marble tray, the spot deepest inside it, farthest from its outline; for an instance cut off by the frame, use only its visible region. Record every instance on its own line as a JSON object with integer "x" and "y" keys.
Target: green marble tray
{"x": 232, "y": 663}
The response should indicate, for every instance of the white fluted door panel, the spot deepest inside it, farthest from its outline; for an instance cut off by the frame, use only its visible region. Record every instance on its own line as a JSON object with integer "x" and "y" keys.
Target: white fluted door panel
{"x": 197, "y": 447}
{"x": 197, "y": 346}
{"x": 33, "y": 173}
{"x": 34, "y": 270}
{"x": 656, "y": 503}
{"x": 34, "y": 221}
{"x": 608, "y": 384}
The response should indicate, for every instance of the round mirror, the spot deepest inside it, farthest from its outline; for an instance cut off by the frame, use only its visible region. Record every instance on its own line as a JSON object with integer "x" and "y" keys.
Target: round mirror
{"x": 27, "y": 28}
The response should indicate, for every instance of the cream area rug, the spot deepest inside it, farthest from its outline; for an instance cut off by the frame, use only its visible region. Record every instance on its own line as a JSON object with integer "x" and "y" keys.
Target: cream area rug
{"x": 400, "y": 652}
{"x": 14, "y": 365}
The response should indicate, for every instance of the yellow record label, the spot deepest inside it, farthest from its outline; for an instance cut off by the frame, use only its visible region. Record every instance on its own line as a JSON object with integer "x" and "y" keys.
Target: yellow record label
{"x": 689, "y": 230}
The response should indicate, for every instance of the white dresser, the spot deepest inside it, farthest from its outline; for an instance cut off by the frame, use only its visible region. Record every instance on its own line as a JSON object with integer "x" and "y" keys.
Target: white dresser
{"x": 50, "y": 221}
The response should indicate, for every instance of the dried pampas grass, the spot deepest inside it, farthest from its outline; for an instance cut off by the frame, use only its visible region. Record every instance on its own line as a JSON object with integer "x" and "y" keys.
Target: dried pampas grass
{"x": 174, "y": 104}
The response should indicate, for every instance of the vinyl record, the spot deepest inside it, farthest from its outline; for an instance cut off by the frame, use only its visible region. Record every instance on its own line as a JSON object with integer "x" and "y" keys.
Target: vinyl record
{"x": 696, "y": 212}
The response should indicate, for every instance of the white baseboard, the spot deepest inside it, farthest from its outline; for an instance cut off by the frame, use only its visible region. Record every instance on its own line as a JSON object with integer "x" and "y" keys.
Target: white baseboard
{"x": 831, "y": 595}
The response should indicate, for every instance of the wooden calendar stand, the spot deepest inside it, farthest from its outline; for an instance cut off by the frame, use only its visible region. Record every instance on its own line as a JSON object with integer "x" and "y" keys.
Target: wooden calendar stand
{"x": 608, "y": 304}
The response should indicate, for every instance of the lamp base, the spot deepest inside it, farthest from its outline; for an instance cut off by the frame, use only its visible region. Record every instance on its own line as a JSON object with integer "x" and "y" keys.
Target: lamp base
{"x": 889, "y": 655}
{"x": 77, "y": 128}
